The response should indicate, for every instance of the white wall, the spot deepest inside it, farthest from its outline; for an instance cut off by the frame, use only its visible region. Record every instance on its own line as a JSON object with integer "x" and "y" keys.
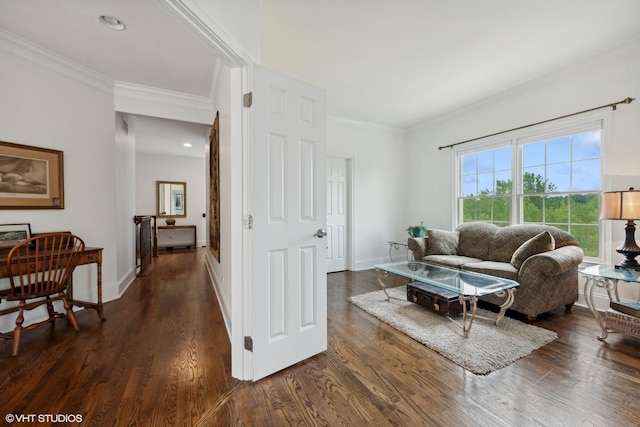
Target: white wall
{"x": 596, "y": 82}
{"x": 125, "y": 199}
{"x": 380, "y": 185}
{"x": 158, "y": 167}
{"x": 223, "y": 272}
{"x": 44, "y": 105}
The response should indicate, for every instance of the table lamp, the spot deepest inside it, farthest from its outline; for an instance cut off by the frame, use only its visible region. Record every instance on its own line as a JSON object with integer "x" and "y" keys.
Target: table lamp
{"x": 624, "y": 205}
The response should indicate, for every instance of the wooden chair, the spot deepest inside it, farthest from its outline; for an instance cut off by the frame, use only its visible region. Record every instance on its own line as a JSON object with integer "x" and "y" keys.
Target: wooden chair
{"x": 39, "y": 269}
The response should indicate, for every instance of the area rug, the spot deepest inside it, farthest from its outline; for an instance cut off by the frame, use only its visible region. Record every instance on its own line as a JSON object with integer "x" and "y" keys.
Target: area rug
{"x": 489, "y": 347}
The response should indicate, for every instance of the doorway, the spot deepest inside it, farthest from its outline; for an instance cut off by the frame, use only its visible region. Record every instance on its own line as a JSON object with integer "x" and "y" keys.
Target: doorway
{"x": 339, "y": 208}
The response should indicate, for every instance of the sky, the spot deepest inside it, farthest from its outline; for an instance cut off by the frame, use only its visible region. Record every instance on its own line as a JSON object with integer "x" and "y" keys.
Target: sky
{"x": 571, "y": 163}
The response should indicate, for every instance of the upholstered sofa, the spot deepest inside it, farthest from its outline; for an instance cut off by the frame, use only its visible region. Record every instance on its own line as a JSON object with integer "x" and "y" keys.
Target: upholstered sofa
{"x": 542, "y": 259}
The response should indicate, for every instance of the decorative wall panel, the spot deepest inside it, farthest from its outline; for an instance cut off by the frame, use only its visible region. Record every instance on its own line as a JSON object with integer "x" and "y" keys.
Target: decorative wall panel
{"x": 277, "y": 178}
{"x": 308, "y": 313}
{"x": 277, "y": 98}
{"x": 307, "y": 184}
{"x": 277, "y": 304}
{"x": 306, "y": 111}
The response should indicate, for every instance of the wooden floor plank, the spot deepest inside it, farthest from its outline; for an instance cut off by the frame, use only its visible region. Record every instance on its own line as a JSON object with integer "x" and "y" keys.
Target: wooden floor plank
{"x": 163, "y": 358}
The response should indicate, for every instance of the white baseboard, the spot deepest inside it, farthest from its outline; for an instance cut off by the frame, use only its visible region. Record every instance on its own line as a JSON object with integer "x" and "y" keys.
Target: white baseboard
{"x": 225, "y": 307}
{"x": 369, "y": 264}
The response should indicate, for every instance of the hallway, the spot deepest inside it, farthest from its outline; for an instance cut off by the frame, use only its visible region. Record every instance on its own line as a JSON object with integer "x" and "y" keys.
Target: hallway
{"x": 161, "y": 358}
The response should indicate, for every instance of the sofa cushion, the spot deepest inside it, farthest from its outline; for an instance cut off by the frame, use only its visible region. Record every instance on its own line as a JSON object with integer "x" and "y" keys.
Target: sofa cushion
{"x": 475, "y": 239}
{"x": 508, "y": 239}
{"x": 442, "y": 242}
{"x": 493, "y": 268}
{"x": 562, "y": 238}
{"x": 542, "y": 242}
{"x": 453, "y": 261}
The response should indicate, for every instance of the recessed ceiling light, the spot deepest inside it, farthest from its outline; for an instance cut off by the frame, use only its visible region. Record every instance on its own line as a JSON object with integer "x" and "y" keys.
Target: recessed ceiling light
{"x": 112, "y": 22}
{"x": 187, "y": 144}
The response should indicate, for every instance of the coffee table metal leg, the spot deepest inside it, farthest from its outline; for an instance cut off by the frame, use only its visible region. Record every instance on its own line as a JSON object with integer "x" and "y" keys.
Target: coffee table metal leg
{"x": 379, "y": 275}
{"x": 505, "y": 305}
{"x": 473, "y": 302}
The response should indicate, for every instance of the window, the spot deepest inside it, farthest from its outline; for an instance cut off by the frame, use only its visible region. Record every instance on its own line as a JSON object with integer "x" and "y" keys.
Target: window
{"x": 561, "y": 185}
{"x": 558, "y": 181}
{"x": 486, "y": 186}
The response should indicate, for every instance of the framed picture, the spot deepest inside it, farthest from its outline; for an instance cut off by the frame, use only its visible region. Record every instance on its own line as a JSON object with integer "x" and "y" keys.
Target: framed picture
{"x": 30, "y": 177}
{"x": 214, "y": 188}
{"x": 12, "y": 234}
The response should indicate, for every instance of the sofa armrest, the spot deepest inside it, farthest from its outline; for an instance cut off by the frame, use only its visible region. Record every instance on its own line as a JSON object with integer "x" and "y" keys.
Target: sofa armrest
{"x": 419, "y": 246}
{"x": 554, "y": 262}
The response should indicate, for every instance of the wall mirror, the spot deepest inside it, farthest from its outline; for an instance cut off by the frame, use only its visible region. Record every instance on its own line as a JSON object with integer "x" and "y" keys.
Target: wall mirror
{"x": 171, "y": 199}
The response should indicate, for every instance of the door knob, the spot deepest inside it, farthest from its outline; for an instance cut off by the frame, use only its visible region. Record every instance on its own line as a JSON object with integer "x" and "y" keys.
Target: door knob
{"x": 320, "y": 233}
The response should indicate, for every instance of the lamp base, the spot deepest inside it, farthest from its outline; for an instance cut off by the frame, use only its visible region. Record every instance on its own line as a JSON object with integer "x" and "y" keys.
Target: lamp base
{"x": 621, "y": 267}
{"x": 629, "y": 248}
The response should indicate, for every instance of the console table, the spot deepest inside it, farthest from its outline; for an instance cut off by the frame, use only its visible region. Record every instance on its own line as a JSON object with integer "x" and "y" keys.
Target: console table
{"x": 91, "y": 256}
{"x": 167, "y": 228}
{"x": 605, "y": 277}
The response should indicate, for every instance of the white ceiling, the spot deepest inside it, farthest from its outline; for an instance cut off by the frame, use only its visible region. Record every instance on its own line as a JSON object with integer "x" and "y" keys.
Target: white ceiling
{"x": 155, "y": 50}
{"x": 167, "y": 137}
{"x": 403, "y": 62}
{"x": 389, "y": 62}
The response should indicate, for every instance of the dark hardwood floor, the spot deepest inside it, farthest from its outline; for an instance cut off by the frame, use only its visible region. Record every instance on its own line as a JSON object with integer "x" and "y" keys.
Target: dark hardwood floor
{"x": 162, "y": 358}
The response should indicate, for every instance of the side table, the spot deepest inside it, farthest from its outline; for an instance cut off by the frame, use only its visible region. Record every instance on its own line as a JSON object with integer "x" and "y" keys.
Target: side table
{"x": 397, "y": 244}
{"x": 605, "y": 277}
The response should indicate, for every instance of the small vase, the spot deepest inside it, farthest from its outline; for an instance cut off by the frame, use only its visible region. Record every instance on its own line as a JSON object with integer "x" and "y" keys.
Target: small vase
{"x": 416, "y": 232}
{"x": 170, "y": 221}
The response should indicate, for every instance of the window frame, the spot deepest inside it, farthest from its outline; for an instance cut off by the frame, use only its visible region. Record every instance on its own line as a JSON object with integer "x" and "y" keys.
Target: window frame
{"x": 541, "y": 132}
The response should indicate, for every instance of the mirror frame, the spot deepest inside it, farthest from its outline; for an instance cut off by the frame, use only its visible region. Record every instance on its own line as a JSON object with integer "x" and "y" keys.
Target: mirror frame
{"x": 184, "y": 201}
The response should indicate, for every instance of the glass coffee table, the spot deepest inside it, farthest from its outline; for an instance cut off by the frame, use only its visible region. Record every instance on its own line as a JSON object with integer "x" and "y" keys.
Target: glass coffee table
{"x": 468, "y": 285}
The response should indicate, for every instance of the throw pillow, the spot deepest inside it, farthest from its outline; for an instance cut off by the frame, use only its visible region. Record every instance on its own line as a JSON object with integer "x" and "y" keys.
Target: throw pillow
{"x": 442, "y": 242}
{"x": 539, "y": 243}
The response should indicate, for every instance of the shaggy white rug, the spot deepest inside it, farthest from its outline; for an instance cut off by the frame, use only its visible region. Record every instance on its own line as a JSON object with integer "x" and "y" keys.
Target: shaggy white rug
{"x": 489, "y": 347}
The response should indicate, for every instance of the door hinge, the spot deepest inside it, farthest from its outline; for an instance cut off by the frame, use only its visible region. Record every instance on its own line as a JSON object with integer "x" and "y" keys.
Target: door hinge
{"x": 248, "y": 343}
{"x": 247, "y": 99}
{"x": 248, "y": 222}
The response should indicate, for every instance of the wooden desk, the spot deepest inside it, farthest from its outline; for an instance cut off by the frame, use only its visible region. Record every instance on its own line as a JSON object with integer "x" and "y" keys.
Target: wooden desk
{"x": 91, "y": 256}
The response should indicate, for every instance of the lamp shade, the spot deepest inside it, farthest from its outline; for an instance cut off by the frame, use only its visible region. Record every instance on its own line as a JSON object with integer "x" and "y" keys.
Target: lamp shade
{"x": 620, "y": 205}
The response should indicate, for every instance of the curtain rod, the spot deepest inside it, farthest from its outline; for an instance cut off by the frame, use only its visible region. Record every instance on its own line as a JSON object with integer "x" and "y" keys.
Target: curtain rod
{"x": 613, "y": 107}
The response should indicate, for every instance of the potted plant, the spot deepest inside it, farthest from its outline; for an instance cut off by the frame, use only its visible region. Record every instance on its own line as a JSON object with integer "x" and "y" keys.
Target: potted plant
{"x": 417, "y": 230}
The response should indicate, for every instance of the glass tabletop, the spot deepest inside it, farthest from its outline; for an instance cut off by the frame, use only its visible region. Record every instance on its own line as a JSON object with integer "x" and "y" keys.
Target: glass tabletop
{"x": 611, "y": 272}
{"x": 460, "y": 281}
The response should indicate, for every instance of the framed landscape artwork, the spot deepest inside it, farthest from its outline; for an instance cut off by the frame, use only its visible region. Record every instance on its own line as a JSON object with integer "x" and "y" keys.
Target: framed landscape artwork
{"x": 12, "y": 234}
{"x": 214, "y": 189}
{"x": 30, "y": 177}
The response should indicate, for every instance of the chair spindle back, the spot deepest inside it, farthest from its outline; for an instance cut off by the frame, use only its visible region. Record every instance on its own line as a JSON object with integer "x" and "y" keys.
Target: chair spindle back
{"x": 44, "y": 264}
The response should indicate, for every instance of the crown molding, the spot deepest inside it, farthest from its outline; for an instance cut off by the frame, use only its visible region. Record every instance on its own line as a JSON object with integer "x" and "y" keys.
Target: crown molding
{"x": 153, "y": 94}
{"x": 22, "y": 48}
{"x": 151, "y": 101}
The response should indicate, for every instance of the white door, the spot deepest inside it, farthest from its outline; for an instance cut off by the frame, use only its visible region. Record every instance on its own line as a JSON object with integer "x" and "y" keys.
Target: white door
{"x": 336, "y": 214}
{"x": 288, "y": 249}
